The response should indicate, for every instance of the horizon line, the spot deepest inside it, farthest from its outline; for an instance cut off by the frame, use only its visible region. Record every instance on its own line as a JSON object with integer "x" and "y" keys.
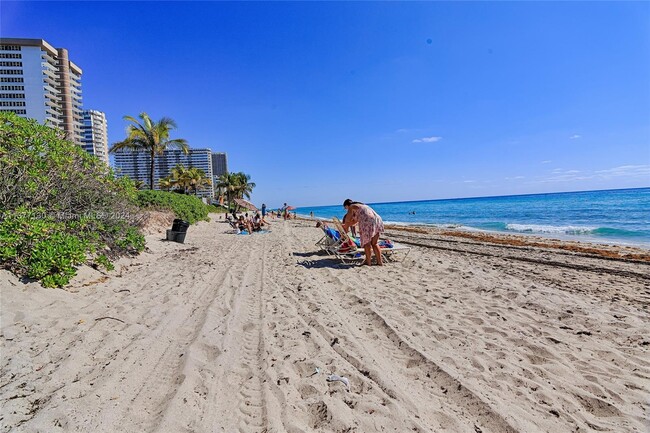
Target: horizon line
{"x": 489, "y": 196}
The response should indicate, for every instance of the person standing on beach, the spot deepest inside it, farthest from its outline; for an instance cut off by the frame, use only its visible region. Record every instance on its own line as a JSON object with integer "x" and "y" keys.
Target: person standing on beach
{"x": 264, "y": 214}
{"x": 370, "y": 227}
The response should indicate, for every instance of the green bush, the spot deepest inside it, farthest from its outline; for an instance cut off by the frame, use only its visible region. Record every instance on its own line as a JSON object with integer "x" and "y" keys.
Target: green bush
{"x": 103, "y": 261}
{"x": 61, "y": 206}
{"x": 185, "y": 207}
{"x": 217, "y": 209}
{"x": 54, "y": 259}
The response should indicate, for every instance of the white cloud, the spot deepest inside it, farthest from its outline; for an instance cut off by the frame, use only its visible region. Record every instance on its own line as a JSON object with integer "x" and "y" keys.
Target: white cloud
{"x": 515, "y": 178}
{"x": 561, "y": 175}
{"x": 575, "y": 137}
{"x": 427, "y": 139}
{"x": 625, "y": 170}
{"x": 408, "y": 130}
{"x": 548, "y": 161}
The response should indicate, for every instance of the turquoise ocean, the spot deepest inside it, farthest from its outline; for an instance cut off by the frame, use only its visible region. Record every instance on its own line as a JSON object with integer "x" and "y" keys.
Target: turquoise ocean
{"x": 611, "y": 216}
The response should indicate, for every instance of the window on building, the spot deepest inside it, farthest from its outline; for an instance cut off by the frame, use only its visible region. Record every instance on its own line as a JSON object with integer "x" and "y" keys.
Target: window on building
{"x": 14, "y": 111}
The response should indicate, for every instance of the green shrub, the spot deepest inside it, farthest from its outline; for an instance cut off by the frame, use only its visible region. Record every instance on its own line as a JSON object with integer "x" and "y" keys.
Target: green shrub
{"x": 61, "y": 206}
{"x": 216, "y": 209}
{"x": 103, "y": 261}
{"x": 185, "y": 207}
{"x": 131, "y": 240}
{"x": 54, "y": 259}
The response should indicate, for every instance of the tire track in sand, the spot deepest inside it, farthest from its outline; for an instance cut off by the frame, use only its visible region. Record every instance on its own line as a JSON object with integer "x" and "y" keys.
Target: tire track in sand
{"x": 223, "y": 389}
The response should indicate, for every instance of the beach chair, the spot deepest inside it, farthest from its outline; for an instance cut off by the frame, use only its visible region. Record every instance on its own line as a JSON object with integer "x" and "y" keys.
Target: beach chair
{"x": 330, "y": 237}
{"x": 340, "y": 246}
{"x": 390, "y": 251}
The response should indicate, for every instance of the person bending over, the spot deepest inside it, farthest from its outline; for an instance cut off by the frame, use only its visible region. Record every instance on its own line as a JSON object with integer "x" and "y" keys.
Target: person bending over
{"x": 370, "y": 227}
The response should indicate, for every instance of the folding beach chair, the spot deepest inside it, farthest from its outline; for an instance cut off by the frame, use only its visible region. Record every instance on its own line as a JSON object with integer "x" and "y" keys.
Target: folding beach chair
{"x": 339, "y": 245}
{"x": 391, "y": 251}
{"x": 330, "y": 237}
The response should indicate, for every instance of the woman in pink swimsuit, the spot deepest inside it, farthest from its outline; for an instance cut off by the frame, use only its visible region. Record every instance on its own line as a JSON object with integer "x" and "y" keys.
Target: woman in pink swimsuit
{"x": 370, "y": 227}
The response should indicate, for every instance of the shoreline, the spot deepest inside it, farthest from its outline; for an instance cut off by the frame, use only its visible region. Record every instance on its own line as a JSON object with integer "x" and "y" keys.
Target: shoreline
{"x": 224, "y": 331}
{"x": 614, "y": 217}
{"x": 544, "y": 236}
{"x": 616, "y": 251}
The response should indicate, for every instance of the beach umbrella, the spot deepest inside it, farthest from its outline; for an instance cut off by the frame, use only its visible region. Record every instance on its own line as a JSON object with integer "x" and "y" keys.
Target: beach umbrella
{"x": 245, "y": 204}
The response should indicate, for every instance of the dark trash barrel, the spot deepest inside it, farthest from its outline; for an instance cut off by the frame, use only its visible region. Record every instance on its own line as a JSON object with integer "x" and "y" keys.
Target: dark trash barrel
{"x": 180, "y": 226}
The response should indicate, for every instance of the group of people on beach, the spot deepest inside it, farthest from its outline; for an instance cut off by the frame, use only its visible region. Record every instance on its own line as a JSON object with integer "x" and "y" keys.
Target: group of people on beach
{"x": 369, "y": 223}
{"x": 255, "y": 222}
{"x": 245, "y": 222}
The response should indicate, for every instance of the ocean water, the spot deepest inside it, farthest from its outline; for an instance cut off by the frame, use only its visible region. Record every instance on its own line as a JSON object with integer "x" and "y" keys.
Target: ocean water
{"x": 612, "y": 216}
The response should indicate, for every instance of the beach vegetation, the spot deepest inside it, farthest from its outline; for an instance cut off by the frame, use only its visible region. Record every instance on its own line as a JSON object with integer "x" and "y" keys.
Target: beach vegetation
{"x": 102, "y": 260}
{"x": 147, "y": 135}
{"x": 185, "y": 207}
{"x": 166, "y": 183}
{"x": 61, "y": 207}
{"x": 185, "y": 179}
{"x": 235, "y": 185}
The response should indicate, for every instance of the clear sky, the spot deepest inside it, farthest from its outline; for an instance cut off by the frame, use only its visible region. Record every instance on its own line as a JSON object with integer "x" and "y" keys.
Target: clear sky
{"x": 374, "y": 101}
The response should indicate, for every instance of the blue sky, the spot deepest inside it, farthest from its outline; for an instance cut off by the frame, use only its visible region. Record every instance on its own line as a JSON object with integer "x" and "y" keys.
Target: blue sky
{"x": 375, "y": 101}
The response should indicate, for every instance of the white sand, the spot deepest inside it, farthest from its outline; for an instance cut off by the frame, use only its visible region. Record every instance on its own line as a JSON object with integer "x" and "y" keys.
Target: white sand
{"x": 224, "y": 333}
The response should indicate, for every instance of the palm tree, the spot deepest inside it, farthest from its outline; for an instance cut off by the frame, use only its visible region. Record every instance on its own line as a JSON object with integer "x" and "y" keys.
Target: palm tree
{"x": 181, "y": 177}
{"x": 235, "y": 185}
{"x": 197, "y": 179}
{"x": 149, "y": 136}
{"x": 167, "y": 183}
{"x": 227, "y": 183}
{"x": 244, "y": 185}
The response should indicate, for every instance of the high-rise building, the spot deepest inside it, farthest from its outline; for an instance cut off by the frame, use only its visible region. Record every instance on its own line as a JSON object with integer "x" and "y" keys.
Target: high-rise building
{"x": 40, "y": 82}
{"x": 219, "y": 163}
{"x": 136, "y": 165}
{"x": 95, "y": 134}
{"x": 219, "y": 166}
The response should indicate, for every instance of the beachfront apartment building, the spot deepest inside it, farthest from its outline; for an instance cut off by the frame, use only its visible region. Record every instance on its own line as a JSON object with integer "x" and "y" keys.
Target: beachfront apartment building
{"x": 95, "y": 134}
{"x": 136, "y": 165}
{"x": 40, "y": 82}
{"x": 219, "y": 166}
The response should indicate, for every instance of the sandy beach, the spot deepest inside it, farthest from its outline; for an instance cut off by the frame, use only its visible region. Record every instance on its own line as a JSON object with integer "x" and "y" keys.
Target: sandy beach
{"x": 230, "y": 333}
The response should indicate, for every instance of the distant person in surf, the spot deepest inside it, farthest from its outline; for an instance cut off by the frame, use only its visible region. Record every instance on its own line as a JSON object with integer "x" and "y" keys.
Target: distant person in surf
{"x": 370, "y": 227}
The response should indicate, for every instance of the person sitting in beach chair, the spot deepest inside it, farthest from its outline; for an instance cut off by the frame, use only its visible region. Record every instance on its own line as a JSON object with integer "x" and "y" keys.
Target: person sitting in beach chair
{"x": 244, "y": 224}
{"x": 348, "y": 248}
{"x": 341, "y": 246}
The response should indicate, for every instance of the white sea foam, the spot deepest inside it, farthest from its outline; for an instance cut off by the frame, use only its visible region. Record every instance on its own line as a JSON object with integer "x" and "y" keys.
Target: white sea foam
{"x": 424, "y": 224}
{"x": 534, "y": 228}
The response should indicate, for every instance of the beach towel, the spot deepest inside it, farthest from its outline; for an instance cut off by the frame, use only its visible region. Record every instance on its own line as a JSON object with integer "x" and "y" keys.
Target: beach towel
{"x": 333, "y": 234}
